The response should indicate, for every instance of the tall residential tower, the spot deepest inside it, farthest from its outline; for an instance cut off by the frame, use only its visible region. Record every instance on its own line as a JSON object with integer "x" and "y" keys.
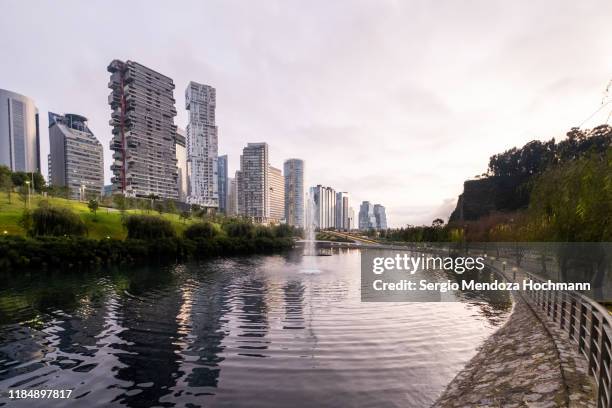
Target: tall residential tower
{"x": 202, "y": 145}
{"x": 277, "y": 194}
{"x": 253, "y": 183}
{"x": 75, "y": 156}
{"x": 223, "y": 183}
{"x": 144, "y": 133}
{"x": 294, "y": 192}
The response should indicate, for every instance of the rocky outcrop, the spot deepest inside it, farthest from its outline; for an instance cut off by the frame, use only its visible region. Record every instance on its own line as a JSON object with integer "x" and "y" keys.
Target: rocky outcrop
{"x": 492, "y": 194}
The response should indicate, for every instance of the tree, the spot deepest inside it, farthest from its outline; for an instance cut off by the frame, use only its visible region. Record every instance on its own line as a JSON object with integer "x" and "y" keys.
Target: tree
{"x": 120, "y": 202}
{"x": 24, "y": 194}
{"x": 159, "y": 207}
{"x": 6, "y": 182}
{"x": 437, "y": 223}
{"x": 93, "y": 205}
{"x": 25, "y": 220}
{"x": 184, "y": 215}
{"x": 19, "y": 178}
{"x": 170, "y": 207}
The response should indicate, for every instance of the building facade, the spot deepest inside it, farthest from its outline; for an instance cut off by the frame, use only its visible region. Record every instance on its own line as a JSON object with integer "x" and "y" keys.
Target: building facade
{"x": 324, "y": 211}
{"x": 222, "y": 183}
{"x": 144, "y": 133}
{"x": 342, "y": 211}
{"x": 181, "y": 164}
{"x": 19, "y": 132}
{"x": 367, "y": 219}
{"x": 202, "y": 145}
{"x": 381, "y": 217}
{"x": 294, "y": 192}
{"x": 232, "y": 197}
{"x": 277, "y": 195}
{"x": 253, "y": 184}
{"x": 76, "y": 157}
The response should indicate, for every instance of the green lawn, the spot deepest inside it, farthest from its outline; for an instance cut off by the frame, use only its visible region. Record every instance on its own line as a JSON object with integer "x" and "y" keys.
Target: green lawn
{"x": 106, "y": 223}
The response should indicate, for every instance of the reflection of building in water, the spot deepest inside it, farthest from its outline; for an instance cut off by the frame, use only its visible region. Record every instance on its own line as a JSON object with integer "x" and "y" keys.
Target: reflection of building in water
{"x": 294, "y": 305}
{"x": 207, "y": 310}
{"x": 254, "y": 320}
{"x": 149, "y": 340}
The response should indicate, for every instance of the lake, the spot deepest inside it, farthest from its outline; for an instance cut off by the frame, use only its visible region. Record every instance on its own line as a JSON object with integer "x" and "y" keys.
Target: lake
{"x": 264, "y": 331}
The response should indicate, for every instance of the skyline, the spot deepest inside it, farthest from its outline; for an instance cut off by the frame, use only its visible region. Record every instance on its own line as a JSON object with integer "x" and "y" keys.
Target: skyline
{"x": 363, "y": 94}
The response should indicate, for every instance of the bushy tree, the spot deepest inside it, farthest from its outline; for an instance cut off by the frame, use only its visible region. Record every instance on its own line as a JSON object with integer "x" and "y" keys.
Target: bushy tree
{"x": 93, "y": 206}
{"x": 57, "y": 222}
{"x": 204, "y": 230}
{"x": 148, "y": 227}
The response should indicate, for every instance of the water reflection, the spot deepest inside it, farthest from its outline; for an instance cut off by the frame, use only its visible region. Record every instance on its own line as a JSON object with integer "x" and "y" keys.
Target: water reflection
{"x": 232, "y": 332}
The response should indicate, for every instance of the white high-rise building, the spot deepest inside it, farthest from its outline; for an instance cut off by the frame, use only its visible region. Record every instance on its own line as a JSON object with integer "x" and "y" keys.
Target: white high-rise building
{"x": 324, "y": 207}
{"x": 181, "y": 164}
{"x": 19, "y": 132}
{"x": 294, "y": 192}
{"x": 232, "y": 197}
{"x": 202, "y": 145}
{"x": 342, "y": 211}
{"x": 75, "y": 156}
{"x": 277, "y": 194}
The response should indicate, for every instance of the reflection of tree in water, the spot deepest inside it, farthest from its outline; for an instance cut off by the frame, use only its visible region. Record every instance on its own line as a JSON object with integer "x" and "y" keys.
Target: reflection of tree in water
{"x": 493, "y": 305}
{"x": 149, "y": 309}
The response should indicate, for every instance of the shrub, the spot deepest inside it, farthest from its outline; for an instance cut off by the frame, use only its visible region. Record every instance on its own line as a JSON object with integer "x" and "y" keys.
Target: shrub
{"x": 201, "y": 230}
{"x": 56, "y": 222}
{"x": 148, "y": 227}
{"x": 239, "y": 228}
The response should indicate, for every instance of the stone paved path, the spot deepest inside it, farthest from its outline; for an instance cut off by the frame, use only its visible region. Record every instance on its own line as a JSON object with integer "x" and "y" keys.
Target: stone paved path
{"x": 526, "y": 363}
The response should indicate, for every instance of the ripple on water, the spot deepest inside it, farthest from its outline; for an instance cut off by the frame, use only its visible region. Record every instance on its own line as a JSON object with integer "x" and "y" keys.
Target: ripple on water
{"x": 264, "y": 331}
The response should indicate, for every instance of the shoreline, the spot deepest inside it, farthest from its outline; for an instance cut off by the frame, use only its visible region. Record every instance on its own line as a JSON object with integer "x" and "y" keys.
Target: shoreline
{"x": 522, "y": 364}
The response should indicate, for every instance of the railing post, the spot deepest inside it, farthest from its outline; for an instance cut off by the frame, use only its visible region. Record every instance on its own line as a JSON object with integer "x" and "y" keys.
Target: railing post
{"x": 581, "y": 319}
{"x": 601, "y": 372}
{"x": 591, "y": 341}
{"x": 572, "y": 322}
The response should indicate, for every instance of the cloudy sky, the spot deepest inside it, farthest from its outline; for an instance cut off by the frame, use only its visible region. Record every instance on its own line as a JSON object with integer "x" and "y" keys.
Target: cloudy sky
{"x": 396, "y": 102}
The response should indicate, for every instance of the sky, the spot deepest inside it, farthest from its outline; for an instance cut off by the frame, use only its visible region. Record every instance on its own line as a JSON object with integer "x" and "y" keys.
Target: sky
{"x": 395, "y": 102}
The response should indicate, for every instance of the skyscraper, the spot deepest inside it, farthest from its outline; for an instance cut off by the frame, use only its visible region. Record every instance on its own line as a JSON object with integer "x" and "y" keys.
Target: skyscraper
{"x": 277, "y": 194}
{"x": 351, "y": 219}
{"x": 144, "y": 133}
{"x": 324, "y": 206}
{"x": 75, "y": 156}
{"x": 367, "y": 219}
{"x": 19, "y": 132}
{"x": 342, "y": 211}
{"x": 222, "y": 183}
{"x": 294, "y": 192}
{"x": 181, "y": 164}
{"x": 232, "y": 197}
{"x": 381, "y": 216}
{"x": 202, "y": 145}
{"x": 253, "y": 183}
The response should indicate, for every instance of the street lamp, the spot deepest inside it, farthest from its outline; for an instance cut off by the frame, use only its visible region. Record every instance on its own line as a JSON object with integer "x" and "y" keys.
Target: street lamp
{"x": 28, "y": 184}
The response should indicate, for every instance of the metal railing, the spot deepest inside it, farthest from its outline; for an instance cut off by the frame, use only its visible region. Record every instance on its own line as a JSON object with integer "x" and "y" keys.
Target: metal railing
{"x": 588, "y": 325}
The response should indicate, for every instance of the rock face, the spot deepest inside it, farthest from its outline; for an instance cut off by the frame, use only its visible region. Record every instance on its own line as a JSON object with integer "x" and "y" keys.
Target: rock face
{"x": 493, "y": 194}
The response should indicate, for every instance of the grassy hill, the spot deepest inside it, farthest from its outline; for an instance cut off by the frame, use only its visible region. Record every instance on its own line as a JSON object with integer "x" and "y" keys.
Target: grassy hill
{"x": 106, "y": 223}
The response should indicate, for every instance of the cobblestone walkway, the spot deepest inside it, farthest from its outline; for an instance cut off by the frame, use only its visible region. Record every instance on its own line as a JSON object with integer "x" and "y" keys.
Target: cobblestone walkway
{"x": 526, "y": 363}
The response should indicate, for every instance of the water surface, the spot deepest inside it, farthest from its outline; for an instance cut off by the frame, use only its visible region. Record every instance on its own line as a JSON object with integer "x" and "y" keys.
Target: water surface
{"x": 269, "y": 331}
